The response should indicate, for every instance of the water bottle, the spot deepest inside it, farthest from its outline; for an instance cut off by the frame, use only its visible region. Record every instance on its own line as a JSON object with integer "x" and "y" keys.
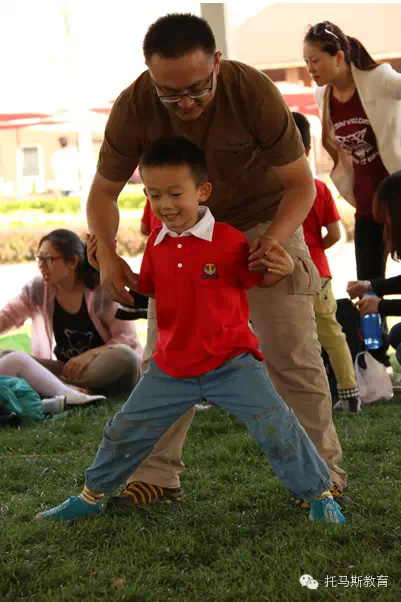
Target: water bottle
{"x": 372, "y": 328}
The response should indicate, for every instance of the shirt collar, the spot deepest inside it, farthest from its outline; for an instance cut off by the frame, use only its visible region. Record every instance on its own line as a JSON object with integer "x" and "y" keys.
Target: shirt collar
{"x": 202, "y": 229}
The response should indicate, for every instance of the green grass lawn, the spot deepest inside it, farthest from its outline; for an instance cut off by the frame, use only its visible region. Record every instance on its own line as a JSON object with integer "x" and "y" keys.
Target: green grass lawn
{"x": 236, "y": 537}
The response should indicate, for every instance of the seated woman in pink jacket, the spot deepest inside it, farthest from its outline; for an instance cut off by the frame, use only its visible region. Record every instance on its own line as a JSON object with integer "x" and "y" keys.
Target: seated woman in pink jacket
{"x": 74, "y": 320}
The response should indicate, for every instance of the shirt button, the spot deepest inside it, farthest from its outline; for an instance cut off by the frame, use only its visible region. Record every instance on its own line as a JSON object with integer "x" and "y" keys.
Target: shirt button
{"x": 179, "y": 246}
{"x": 180, "y": 265}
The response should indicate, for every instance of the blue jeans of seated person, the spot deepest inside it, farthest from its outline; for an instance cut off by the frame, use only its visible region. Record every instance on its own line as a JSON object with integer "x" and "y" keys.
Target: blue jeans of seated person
{"x": 240, "y": 386}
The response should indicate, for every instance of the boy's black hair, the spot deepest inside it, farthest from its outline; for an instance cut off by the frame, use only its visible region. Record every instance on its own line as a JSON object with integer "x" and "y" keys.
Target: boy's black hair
{"x": 177, "y": 34}
{"x": 69, "y": 245}
{"x": 304, "y": 128}
{"x": 176, "y": 150}
{"x": 388, "y": 196}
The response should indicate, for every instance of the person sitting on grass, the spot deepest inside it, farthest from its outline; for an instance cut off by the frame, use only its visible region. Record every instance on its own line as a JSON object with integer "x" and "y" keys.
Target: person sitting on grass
{"x": 57, "y": 396}
{"x": 67, "y": 304}
{"x": 387, "y": 203}
{"x": 324, "y": 214}
{"x": 197, "y": 270}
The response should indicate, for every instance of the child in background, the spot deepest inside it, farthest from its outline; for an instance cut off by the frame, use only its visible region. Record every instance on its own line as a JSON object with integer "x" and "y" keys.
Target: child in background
{"x": 148, "y": 221}
{"x": 324, "y": 214}
{"x": 198, "y": 271}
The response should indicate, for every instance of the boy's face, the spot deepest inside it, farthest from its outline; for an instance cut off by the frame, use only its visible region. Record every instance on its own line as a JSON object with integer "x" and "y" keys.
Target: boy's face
{"x": 174, "y": 195}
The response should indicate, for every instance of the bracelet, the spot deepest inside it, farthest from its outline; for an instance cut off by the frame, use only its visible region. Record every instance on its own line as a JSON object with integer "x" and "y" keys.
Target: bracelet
{"x": 370, "y": 285}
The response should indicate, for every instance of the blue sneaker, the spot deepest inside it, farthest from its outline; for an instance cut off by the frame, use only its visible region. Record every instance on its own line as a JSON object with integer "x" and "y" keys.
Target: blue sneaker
{"x": 326, "y": 511}
{"x": 73, "y": 507}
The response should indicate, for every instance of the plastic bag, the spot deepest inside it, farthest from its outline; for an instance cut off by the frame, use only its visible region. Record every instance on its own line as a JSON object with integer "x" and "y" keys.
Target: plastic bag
{"x": 18, "y": 397}
{"x": 373, "y": 381}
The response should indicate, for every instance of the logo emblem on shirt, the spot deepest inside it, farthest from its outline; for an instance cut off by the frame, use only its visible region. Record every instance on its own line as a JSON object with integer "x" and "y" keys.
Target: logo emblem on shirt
{"x": 209, "y": 270}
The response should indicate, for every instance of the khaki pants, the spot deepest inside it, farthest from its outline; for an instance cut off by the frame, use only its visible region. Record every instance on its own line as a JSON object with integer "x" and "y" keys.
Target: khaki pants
{"x": 284, "y": 320}
{"x": 114, "y": 369}
{"x": 332, "y": 338}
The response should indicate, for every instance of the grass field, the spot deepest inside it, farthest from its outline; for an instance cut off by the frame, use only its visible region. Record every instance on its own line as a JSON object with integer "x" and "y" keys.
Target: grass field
{"x": 236, "y": 536}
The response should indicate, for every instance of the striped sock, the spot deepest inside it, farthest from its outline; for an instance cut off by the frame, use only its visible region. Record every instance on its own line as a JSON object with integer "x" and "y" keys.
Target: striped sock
{"x": 90, "y": 496}
{"x": 324, "y": 494}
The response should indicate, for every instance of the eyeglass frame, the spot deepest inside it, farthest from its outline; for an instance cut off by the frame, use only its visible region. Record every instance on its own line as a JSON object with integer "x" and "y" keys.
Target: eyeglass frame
{"x": 47, "y": 259}
{"x": 192, "y": 95}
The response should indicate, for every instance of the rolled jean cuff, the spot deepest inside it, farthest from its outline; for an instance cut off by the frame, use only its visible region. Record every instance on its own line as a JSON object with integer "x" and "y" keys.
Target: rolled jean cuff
{"x": 310, "y": 495}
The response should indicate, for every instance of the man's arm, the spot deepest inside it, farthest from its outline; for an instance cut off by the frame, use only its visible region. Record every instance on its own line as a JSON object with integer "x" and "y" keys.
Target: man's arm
{"x": 297, "y": 201}
{"x": 299, "y": 194}
{"x": 103, "y": 221}
{"x": 102, "y": 211}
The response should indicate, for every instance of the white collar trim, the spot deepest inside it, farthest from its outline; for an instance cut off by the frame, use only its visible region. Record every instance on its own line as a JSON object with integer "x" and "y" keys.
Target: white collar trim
{"x": 202, "y": 229}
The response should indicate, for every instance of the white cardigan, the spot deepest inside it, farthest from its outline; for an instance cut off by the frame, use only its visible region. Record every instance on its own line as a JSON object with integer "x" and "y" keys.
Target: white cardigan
{"x": 380, "y": 94}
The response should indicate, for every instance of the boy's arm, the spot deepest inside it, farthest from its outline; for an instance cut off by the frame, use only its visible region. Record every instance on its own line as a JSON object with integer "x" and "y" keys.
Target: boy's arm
{"x": 333, "y": 235}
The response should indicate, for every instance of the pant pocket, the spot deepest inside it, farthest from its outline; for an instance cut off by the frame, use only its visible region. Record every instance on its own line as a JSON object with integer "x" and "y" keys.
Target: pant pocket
{"x": 305, "y": 279}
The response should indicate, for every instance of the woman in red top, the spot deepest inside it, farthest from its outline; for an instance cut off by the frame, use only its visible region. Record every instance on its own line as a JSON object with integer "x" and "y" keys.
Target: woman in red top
{"x": 361, "y": 114}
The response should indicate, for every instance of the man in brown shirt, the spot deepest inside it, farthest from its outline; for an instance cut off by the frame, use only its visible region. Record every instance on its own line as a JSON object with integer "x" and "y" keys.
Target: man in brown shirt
{"x": 262, "y": 185}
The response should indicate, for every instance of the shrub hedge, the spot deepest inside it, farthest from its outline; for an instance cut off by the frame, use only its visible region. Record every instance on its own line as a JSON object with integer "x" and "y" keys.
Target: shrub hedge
{"x": 127, "y": 200}
{"x": 21, "y": 245}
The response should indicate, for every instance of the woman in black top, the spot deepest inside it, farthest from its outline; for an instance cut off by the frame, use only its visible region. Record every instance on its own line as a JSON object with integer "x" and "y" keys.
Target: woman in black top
{"x": 388, "y": 203}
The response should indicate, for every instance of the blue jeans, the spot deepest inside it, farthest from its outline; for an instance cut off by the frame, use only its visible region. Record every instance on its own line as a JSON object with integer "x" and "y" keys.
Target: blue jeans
{"x": 240, "y": 386}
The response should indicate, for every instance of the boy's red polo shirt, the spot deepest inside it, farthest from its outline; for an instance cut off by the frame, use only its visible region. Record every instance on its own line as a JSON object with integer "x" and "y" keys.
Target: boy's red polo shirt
{"x": 201, "y": 304}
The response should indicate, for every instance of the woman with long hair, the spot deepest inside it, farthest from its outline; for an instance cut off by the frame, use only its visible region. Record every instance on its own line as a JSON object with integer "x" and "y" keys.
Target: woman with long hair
{"x": 74, "y": 319}
{"x": 388, "y": 204}
{"x": 359, "y": 101}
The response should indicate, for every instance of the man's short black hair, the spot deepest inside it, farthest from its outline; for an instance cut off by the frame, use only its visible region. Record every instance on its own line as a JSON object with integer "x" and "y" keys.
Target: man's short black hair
{"x": 176, "y": 150}
{"x": 177, "y": 34}
{"x": 304, "y": 128}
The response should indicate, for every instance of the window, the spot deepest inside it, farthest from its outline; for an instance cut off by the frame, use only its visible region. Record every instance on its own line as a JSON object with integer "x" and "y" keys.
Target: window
{"x": 30, "y": 161}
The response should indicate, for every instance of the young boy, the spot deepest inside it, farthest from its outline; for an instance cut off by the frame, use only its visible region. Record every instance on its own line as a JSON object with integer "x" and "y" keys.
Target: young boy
{"x": 148, "y": 222}
{"x": 197, "y": 270}
{"x": 324, "y": 214}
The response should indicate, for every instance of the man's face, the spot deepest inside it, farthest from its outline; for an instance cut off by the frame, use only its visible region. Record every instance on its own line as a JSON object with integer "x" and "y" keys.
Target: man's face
{"x": 188, "y": 74}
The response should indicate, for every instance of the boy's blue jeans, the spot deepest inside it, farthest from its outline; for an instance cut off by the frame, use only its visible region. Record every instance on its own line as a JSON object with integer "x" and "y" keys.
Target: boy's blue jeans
{"x": 240, "y": 386}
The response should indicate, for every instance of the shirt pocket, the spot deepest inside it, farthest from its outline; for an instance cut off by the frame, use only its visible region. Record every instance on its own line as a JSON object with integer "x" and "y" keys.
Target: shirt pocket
{"x": 305, "y": 279}
{"x": 233, "y": 156}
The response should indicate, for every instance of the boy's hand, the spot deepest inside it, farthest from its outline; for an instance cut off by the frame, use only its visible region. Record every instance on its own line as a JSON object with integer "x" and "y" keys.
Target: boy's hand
{"x": 278, "y": 264}
{"x": 91, "y": 244}
{"x": 258, "y": 250}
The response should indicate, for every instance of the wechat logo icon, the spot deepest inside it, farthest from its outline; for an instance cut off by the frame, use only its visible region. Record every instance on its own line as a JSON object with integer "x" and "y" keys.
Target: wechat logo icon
{"x": 308, "y": 581}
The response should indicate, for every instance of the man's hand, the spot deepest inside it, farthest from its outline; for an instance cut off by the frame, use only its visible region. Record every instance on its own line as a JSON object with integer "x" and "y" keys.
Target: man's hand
{"x": 116, "y": 276}
{"x": 356, "y": 288}
{"x": 278, "y": 264}
{"x": 368, "y": 305}
{"x": 75, "y": 367}
{"x": 258, "y": 250}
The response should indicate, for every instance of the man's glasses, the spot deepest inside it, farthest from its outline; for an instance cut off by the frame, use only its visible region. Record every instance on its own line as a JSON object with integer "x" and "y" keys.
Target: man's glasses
{"x": 193, "y": 95}
{"x": 47, "y": 259}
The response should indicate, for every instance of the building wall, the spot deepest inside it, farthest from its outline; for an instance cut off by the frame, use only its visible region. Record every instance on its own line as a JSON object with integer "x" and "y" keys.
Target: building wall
{"x": 12, "y": 143}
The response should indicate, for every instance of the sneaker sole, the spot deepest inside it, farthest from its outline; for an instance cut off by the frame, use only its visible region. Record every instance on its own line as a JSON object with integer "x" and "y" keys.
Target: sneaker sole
{"x": 343, "y": 501}
{"x": 126, "y": 502}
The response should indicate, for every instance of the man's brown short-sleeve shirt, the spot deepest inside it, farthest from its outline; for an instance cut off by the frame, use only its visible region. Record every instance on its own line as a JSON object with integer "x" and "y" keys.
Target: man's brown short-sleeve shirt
{"x": 246, "y": 129}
